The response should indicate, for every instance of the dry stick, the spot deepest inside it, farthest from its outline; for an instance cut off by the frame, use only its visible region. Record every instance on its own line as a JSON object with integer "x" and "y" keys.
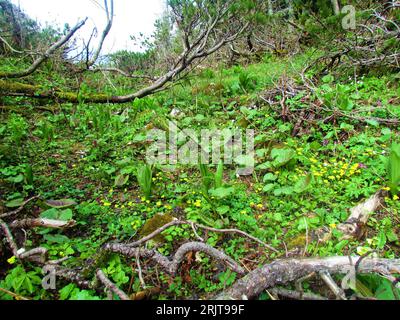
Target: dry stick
{"x": 140, "y": 271}
{"x": 299, "y": 283}
{"x": 9, "y": 238}
{"x": 41, "y": 222}
{"x": 155, "y": 233}
{"x": 296, "y": 295}
{"x": 327, "y": 278}
{"x": 31, "y": 254}
{"x": 195, "y": 232}
{"x": 36, "y": 64}
{"x": 4, "y": 215}
{"x": 239, "y": 232}
{"x": 111, "y": 286}
{"x": 14, "y": 295}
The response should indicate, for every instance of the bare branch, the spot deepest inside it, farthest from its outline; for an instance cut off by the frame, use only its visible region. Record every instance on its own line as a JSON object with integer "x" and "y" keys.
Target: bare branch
{"x": 282, "y": 272}
{"x": 36, "y": 64}
{"x": 108, "y": 284}
{"x": 110, "y": 18}
{"x": 41, "y": 222}
{"x": 11, "y": 213}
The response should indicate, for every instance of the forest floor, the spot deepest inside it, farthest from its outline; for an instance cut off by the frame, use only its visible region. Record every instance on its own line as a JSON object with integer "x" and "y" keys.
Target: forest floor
{"x": 319, "y": 151}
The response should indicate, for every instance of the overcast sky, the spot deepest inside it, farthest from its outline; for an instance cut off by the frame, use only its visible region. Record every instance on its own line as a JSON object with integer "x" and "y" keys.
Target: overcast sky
{"x": 131, "y": 17}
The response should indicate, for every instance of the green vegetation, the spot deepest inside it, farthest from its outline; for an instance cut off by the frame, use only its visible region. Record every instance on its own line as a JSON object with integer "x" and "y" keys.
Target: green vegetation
{"x": 324, "y": 141}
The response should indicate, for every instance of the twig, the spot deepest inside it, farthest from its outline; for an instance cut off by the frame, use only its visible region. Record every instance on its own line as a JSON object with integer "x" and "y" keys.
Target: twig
{"x": 299, "y": 283}
{"x": 14, "y": 295}
{"x": 327, "y": 278}
{"x": 140, "y": 270}
{"x": 111, "y": 286}
{"x": 296, "y": 295}
{"x": 4, "y": 215}
{"x": 180, "y": 222}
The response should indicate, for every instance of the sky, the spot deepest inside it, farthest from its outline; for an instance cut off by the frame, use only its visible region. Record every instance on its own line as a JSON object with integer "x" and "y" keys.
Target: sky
{"x": 131, "y": 17}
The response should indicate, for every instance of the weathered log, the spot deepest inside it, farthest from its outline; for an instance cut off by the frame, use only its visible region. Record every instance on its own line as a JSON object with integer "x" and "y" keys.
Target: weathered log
{"x": 282, "y": 272}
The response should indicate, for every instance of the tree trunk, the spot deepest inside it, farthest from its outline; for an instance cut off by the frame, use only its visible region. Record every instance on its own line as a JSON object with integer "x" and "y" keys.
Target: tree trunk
{"x": 336, "y": 6}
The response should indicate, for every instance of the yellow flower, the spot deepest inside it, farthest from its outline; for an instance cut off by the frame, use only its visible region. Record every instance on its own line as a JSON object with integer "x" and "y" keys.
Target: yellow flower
{"x": 333, "y": 225}
{"x": 12, "y": 260}
{"x": 106, "y": 204}
{"x": 386, "y": 188}
{"x": 395, "y": 197}
{"x": 260, "y": 206}
{"x": 159, "y": 203}
{"x": 198, "y": 203}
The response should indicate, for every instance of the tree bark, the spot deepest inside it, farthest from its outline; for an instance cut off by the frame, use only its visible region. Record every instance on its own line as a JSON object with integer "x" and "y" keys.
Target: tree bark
{"x": 336, "y": 6}
{"x": 282, "y": 272}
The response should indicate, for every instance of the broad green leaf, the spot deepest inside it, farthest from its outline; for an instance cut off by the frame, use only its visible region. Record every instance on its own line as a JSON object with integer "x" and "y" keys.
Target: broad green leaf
{"x": 284, "y": 191}
{"x": 303, "y": 184}
{"x": 62, "y": 203}
{"x": 221, "y": 192}
{"x": 381, "y": 239}
{"x": 56, "y": 238}
{"x": 219, "y": 175}
{"x": 394, "y": 169}
{"x": 282, "y": 156}
{"x": 268, "y": 187}
{"x": 15, "y": 203}
{"x": 270, "y": 177}
{"x": 223, "y": 209}
{"x": 245, "y": 160}
{"x": 56, "y": 214}
{"x": 121, "y": 180}
{"x": 66, "y": 291}
{"x": 65, "y": 215}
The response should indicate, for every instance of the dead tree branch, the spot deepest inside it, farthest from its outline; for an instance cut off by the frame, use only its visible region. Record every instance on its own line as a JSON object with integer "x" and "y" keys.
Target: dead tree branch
{"x": 46, "y": 55}
{"x": 111, "y": 286}
{"x": 282, "y": 272}
{"x": 16, "y": 211}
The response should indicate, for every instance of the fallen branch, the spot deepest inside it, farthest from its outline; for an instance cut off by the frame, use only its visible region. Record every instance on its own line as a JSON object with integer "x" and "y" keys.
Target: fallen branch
{"x": 282, "y": 272}
{"x": 11, "y": 213}
{"x": 295, "y": 295}
{"x": 353, "y": 227}
{"x": 36, "y": 64}
{"x": 111, "y": 286}
{"x": 171, "y": 266}
{"x": 38, "y": 255}
{"x": 41, "y": 222}
{"x": 192, "y": 224}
